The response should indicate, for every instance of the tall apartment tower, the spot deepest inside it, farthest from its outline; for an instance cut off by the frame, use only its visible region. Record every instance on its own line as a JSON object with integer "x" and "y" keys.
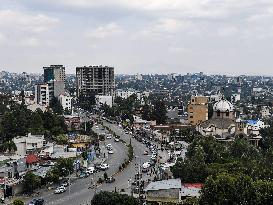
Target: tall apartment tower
{"x": 54, "y": 72}
{"x": 53, "y": 86}
{"x": 198, "y": 109}
{"x": 54, "y": 76}
{"x": 95, "y": 80}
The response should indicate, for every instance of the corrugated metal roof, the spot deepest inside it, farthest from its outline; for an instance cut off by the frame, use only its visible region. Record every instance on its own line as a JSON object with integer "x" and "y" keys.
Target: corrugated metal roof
{"x": 164, "y": 184}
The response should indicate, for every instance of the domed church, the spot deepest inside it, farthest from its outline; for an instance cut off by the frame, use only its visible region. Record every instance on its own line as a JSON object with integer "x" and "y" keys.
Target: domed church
{"x": 222, "y": 124}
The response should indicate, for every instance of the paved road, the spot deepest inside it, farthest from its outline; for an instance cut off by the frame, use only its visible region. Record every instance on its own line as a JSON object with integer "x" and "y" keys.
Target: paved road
{"x": 81, "y": 194}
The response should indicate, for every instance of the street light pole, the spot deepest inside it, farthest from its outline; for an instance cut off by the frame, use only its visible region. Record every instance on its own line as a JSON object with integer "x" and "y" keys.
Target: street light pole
{"x": 69, "y": 181}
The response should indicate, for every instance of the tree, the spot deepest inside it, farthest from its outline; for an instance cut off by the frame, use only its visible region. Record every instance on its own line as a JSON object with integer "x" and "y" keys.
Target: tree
{"x": 193, "y": 169}
{"x": 146, "y": 112}
{"x": 64, "y": 166}
{"x": 56, "y": 106}
{"x": 159, "y": 112}
{"x": 109, "y": 198}
{"x": 61, "y": 139}
{"x": 8, "y": 146}
{"x": 236, "y": 189}
{"x": 36, "y": 124}
{"x": 18, "y": 202}
{"x": 31, "y": 182}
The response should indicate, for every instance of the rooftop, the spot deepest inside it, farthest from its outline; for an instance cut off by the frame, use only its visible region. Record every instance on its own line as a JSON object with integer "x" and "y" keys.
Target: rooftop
{"x": 164, "y": 184}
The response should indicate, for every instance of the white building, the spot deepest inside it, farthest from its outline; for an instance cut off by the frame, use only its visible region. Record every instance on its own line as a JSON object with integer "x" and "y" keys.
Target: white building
{"x": 128, "y": 92}
{"x": 125, "y": 93}
{"x": 265, "y": 111}
{"x": 34, "y": 107}
{"x": 66, "y": 102}
{"x": 104, "y": 99}
{"x": 28, "y": 144}
{"x": 42, "y": 94}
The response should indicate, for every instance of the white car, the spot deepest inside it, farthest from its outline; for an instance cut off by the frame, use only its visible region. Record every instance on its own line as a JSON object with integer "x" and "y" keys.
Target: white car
{"x": 146, "y": 165}
{"x": 90, "y": 170}
{"x": 109, "y": 136}
{"x": 104, "y": 166}
{"x": 60, "y": 190}
{"x": 108, "y": 146}
{"x": 110, "y": 152}
{"x": 116, "y": 139}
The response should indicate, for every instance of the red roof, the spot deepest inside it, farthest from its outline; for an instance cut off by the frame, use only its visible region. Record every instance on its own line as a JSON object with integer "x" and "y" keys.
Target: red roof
{"x": 193, "y": 185}
{"x": 31, "y": 158}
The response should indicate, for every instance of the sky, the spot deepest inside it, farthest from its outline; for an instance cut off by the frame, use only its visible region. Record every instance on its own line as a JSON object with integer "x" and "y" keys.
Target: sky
{"x": 138, "y": 36}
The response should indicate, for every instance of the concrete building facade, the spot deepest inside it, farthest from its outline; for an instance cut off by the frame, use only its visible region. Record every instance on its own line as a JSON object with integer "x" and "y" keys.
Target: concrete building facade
{"x": 54, "y": 72}
{"x": 95, "y": 80}
{"x": 42, "y": 94}
{"x": 198, "y": 110}
{"x": 66, "y": 102}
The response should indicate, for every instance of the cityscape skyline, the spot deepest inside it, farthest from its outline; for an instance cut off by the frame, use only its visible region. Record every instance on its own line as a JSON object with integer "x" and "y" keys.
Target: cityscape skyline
{"x": 228, "y": 37}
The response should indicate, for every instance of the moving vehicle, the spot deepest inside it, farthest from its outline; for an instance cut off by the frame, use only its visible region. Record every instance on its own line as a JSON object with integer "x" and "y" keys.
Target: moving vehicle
{"x": 37, "y": 202}
{"x": 116, "y": 139}
{"x": 145, "y": 152}
{"x": 110, "y": 152}
{"x": 104, "y": 166}
{"x": 110, "y": 180}
{"x": 109, "y": 147}
{"x": 146, "y": 165}
{"x": 109, "y": 136}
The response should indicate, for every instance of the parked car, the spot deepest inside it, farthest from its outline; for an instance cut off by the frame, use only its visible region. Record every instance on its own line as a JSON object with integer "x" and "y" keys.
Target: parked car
{"x": 90, "y": 170}
{"x": 116, "y": 139}
{"x": 109, "y": 136}
{"x": 60, "y": 190}
{"x": 37, "y": 202}
{"x": 110, "y": 152}
{"x": 104, "y": 166}
{"x": 65, "y": 184}
{"x": 83, "y": 175}
{"x": 145, "y": 152}
{"x": 110, "y": 180}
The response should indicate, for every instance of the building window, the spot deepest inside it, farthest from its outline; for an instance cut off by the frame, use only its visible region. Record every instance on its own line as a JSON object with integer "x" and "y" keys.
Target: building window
{"x": 192, "y": 100}
{"x": 218, "y": 113}
{"x": 227, "y": 114}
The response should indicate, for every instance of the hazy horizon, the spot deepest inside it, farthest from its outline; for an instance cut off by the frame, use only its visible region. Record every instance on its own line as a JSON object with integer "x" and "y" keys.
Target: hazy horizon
{"x": 138, "y": 36}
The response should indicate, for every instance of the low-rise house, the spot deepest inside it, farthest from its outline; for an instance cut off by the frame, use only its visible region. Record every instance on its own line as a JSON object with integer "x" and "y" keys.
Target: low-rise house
{"x": 140, "y": 123}
{"x": 32, "y": 161}
{"x": 29, "y": 144}
{"x": 190, "y": 190}
{"x": 165, "y": 191}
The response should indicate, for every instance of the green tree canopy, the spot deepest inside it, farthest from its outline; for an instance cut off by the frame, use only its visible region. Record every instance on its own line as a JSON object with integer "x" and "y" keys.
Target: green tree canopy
{"x": 109, "y": 198}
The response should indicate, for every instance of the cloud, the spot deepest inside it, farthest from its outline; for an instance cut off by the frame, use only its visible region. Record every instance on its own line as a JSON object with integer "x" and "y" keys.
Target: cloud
{"x": 30, "y": 42}
{"x": 105, "y": 31}
{"x": 171, "y": 25}
{"x": 2, "y": 38}
{"x": 26, "y": 22}
{"x": 227, "y": 31}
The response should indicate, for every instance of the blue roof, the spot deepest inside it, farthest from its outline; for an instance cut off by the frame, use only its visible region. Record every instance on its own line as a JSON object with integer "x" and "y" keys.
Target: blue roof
{"x": 251, "y": 122}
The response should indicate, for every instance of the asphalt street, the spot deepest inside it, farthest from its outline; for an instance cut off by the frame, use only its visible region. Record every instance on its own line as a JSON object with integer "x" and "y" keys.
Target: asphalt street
{"x": 81, "y": 193}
